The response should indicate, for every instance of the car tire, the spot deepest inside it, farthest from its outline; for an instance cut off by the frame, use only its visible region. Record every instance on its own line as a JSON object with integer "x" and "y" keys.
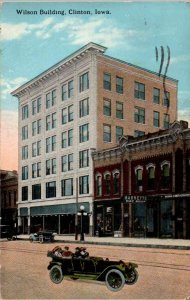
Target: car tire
{"x": 56, "y": 274}
{"x": 115, "y": 280}
{"x": 132, "y": 277}
{"x": 30, "y": 239}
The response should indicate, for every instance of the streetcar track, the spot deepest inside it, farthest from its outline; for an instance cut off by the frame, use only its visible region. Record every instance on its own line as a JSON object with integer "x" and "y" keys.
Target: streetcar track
{"x": 140, "y": 263}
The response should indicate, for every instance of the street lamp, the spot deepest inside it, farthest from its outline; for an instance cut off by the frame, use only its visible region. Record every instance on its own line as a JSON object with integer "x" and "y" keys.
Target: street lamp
{"x": 82, "y": 209}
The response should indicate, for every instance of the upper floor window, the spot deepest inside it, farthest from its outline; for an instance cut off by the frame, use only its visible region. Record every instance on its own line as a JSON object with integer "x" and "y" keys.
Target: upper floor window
{"x": 51, "y": 121}
{"x": 36, "y": 170}
{"x": 107, "y": 107}
{"x": 119, "y": 85}
{"x": 70, "y": 89}
{"x": 156, "y": 119}
{"x": 166, "y": 101}
{"x": 165, "y": 173}
{"x": 138, "y": 133}
{"x": 119, "y": 110}
{"x": 67, "y": 114}
{"x": 84, "y": 133}
{"x": 36, "y": 127}
{"x": 25, "y": 132}
{"x": 25, "y": 112}
{"x": 51, "y": 144}
{"x": 98, "y": 185}
{"x": 67, "y": 187}
{"x": 119, "y": 132}
{"x": 84, "y": 108}
{"x": 36, "y": 191}
{"x": 24, "y": 152}
{"x": 107, "y": 133}
{"x": 84, "y": 82}
{"x": 116, "y": 183}
{"x": 84, "y": 184}
{"x": 107, "y": 81}
{"x": 67, "y": 162}
{"x": 24, "y": 193}
{"x": 107, "y": 184}
{"x": 139, "y": 90}
{"x": 138, "y": 177}
{"x": 151, "y": 177}
{"x": 166, "y": 121}
{"x": 83, "y": 159}
{"x": 36, "y": 149}
{"x": 156, "y": 96}
{"x": 36, "y": 106}
{"x": 51, "y": 166}
{"x": 67, "y": 138}
{"x": 51, "y": 189}
{"x": 51, "y": 99}
{"x": 25, "y": 173}
{"x": 139, "y": 115}
{"x": 67, "y": 90}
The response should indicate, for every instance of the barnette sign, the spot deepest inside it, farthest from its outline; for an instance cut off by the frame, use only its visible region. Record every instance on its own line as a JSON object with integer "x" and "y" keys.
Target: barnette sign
{"x": 132, "y": 199}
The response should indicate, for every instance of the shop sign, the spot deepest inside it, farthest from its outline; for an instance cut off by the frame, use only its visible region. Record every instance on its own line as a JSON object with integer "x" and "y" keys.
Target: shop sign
{"x": 134, "y": 199}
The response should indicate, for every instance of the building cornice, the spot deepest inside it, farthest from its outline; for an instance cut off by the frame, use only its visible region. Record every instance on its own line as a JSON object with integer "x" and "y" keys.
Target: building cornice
{"x": 178, "y": 131}
{"x": 57, "y": 68}
{"x": 140, "y": 68}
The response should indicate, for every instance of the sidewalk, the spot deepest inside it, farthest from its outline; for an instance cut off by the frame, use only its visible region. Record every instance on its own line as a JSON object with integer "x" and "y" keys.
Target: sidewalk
{"x": 123, "y": 242}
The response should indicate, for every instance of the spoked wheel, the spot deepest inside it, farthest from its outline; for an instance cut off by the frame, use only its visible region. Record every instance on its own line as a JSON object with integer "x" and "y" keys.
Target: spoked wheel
{"x": 115, "y": 280}
{"x": 132, "y": 277}
{"x": 56, "y": 274}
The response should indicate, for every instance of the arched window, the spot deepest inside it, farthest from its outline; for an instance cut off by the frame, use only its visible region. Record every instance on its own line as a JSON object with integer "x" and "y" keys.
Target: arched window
{"x": 116, "y": 183}
{"x": 165, "y": 175}
{"x": 138, "y": 177}
{"x": 108, "y": 183}
{"x": 151, "y": 177}
{"x": 98, "y": 184}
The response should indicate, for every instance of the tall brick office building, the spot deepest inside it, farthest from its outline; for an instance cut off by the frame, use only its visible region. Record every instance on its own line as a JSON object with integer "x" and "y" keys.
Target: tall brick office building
{"x": 142, "y": 186}
{"x": 85, "y": 102}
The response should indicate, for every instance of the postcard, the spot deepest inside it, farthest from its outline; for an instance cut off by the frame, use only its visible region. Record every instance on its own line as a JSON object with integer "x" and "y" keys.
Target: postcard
{"x": 95, "y": 150}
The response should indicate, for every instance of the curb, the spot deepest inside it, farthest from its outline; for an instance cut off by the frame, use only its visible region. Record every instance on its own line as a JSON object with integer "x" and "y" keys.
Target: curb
{"x": 153, "y": 246}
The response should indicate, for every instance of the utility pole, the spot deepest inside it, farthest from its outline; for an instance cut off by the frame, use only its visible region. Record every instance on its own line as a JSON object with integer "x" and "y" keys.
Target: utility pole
{"x": 76, "y": 215}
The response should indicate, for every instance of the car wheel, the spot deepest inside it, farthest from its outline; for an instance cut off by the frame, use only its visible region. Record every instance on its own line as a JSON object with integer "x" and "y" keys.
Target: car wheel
{"x": 115, "y": 280}
{"x": 56, "y": 274}
{"x": 30, "y": 239}
{"x": 132, "y": 277}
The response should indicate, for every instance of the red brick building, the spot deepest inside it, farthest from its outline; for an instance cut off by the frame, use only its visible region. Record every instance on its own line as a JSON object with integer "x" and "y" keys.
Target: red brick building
{"x": 142, "y": 187}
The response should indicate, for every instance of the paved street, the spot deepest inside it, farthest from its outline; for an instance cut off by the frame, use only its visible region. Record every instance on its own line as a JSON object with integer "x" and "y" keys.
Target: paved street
{"x": 163, "y": 273}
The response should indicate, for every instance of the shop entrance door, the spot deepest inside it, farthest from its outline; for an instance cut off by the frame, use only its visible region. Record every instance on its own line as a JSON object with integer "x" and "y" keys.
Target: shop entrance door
{"x": 152, "y": 219}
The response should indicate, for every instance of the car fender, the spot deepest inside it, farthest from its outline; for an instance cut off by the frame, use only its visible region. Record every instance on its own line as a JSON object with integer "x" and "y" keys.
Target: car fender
{"x": 53, "y": 263}
{"x": 101, "y": 277}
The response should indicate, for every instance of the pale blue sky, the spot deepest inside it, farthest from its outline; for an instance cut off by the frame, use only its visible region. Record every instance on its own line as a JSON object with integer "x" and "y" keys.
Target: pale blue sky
{"x": 33, "y": 43}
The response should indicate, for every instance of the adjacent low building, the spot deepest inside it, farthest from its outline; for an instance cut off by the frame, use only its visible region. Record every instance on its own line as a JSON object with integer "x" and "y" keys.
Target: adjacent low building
{"x": 9, "y": 197}
{"x": 142, "y": 186}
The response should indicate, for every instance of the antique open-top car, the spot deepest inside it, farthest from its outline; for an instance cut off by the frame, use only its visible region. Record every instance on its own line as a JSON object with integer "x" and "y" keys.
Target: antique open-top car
{"x": 42, "y": 236}
{"x": 114, "y": 273}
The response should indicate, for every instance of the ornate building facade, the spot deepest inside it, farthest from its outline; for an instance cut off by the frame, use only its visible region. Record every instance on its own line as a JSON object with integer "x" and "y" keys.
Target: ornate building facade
{"x": 142, "y": 186}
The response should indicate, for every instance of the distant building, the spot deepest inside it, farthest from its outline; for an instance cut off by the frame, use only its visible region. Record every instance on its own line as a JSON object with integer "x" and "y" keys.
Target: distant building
{"x": 142, "y": 186}
{"x": 9, "y": 197}
{"x": 86, "y": 101}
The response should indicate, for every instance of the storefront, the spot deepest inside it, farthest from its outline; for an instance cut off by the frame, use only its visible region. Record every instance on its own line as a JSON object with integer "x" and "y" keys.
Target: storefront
{"x": 58, "y": 218}
{"x": 107, "y": 216}
{"x": 166, "y": 216}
